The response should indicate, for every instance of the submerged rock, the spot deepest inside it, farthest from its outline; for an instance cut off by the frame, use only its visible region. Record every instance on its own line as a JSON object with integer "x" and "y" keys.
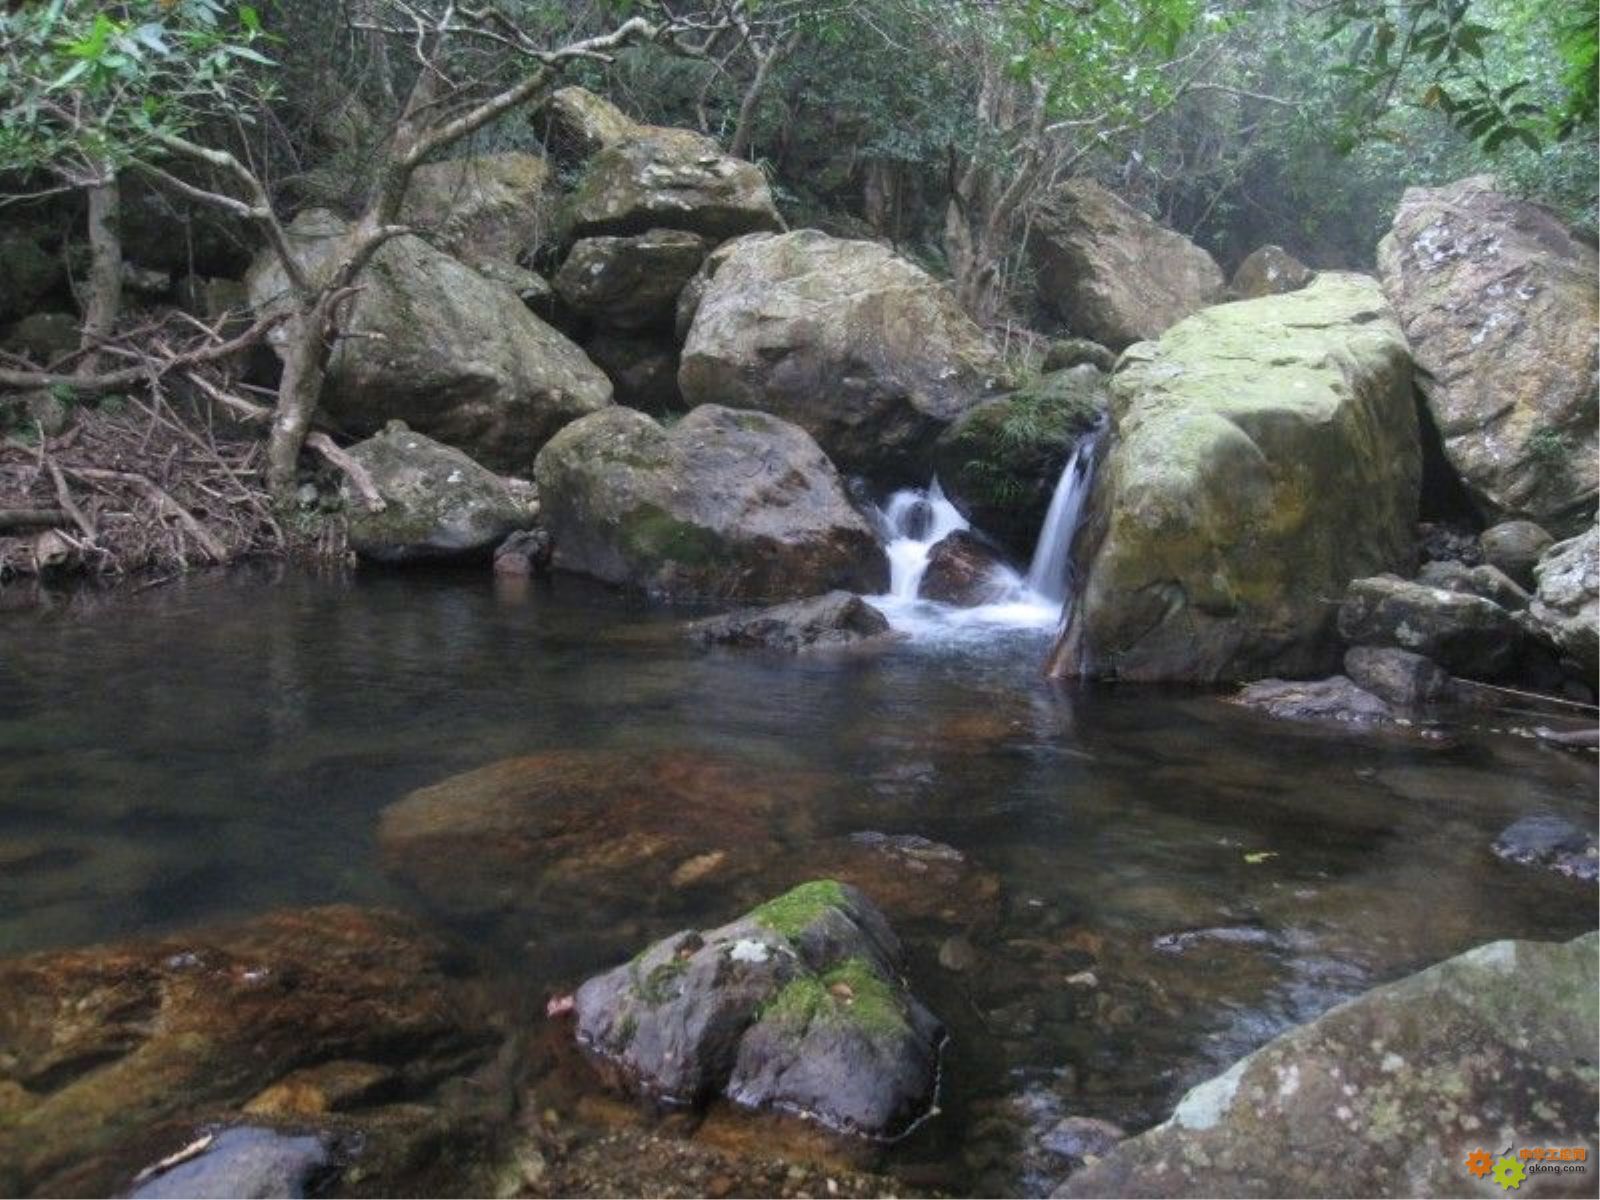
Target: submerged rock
{"x": 822, "y": 622}
{"x": 1549, "y": 841}
{"x": 441, "y": 347}
{"x": 1113, "y": 274}
{"x": 1466, "y": 634}
{"x": 438, "y": 503}
{"x": 1391, "y": 1091}
{"x": 1336, "y": 699}
{"x": 108, "y": 1045}
{"x": 245, "y": 1162}
{"x": 720, "y": 504}
{"x": 1263, "y": 454}
{"x": 1000, "y": 462}
{"x": 1497, "y": 298}
{"x": 799, "y": 1007}
{"x": 858, "y": 346}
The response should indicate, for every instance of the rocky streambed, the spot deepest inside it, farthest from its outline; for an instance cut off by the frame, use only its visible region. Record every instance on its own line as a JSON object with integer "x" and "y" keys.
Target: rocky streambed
{"x": 333, "y": 932}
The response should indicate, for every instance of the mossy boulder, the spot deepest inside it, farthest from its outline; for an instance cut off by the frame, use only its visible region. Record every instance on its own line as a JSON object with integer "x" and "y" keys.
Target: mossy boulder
{"x": 575, "y": 124}
{"x": 1498, "y": 299}
{"x": 631, "y": 283}
{"x": 1465, "y": 633}
{"x": 999, "y": 464}
{"x": 1269, "y": 271}
{"x": 484, "y": 208}
{"x": 799, "y": 1006}
{"x": 721, "y": 504}
{"x": 858, "y": 346}
{"x": 1263, "y": 454}
{"x": 1566, "y": 609}
{"x": 1113, "y": 274}
{"x": 1390, "y": 1093}
{"x": 438, "y": 503}
{"x": 438, "y": 345}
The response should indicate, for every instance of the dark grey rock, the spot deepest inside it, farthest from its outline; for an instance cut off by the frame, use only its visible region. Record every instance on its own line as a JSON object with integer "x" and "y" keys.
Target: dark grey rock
{"x": 1400, "y": 677}
{"x": 1466, "y": 634}
{"x": 1336, "y": 700}
{"x": 1548, "y": 841}
{"x": 836, "y": 619}
{"x": 631, "y": 283}
{"x": 523, "y": 553}
{"x": 799, "y": 1007}
{"x": 244, "y": 1163}
{"x": 961, "y": 571}
{"x": 1484, "y": 580}
{"x": 1516, "y": 548}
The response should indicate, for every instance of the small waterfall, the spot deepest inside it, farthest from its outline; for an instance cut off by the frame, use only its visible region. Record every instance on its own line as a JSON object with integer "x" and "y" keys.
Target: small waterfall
{"x": 916, "y": 521}
{"x": 1050, "y": 575}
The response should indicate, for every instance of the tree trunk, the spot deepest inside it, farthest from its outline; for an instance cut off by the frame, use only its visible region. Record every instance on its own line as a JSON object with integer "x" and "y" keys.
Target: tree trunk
{"x": 305, "y": 366}
{"x": 103, "y": 302}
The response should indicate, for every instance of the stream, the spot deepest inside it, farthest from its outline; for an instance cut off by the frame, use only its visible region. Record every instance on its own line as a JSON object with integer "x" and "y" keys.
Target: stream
{"x": 1179, "y": 879}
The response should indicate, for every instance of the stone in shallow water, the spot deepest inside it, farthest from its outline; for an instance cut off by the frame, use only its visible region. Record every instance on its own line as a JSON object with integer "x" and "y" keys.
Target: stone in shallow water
{"x": 1389, "y": 1092}
{"x": 247, "y": 1163}
{"x": 1330, "y": 700}
{"x": 1398, "y": 676}
{"x": 834, "y": 620}
{"x": 1548, "y": 841}
{"x": 799, "y": 1007}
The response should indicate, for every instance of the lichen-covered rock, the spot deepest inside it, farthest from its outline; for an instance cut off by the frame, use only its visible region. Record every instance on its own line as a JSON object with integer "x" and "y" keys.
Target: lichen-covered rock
{"x": 438, "y": 503}
{"x": 1113, "y": 274}
{"x": 1464, "y": 633}
{"x": 723, "y": 503}
{"x": 1263, "y": 454}
{"x": 1269, "y": 271}
{"x": 821, "y": 622}
{"x": 111, "y": 1050}
{"x": 661, "y": 178}
{"x": 1000, "y": 462}
{"x": 1515, "y": 547}
{"x": 1391, "y": 1092}
{"x": 1400, "y": 677}
{"x": 575, "y": 125}
{"x": 962, "y": 570}
{"x": 444, "y": 349}
{"x": 1566, "y": 609}
{"x": 859, "y": 347}
{"x": 1498, "y": 300}
{"x": 798, "y": 1007}
{"x": 631, "y": 283}
{"x": 486, "y": 208}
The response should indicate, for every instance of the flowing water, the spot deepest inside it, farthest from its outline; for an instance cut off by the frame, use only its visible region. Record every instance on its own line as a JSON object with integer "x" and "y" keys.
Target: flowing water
{"x": 1179, "y": 879}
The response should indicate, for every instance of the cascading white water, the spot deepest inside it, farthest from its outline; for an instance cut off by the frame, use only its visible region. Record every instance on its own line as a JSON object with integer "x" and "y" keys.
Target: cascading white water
{"x": 1050, "y": 575}
{"x": 914, "y": 521}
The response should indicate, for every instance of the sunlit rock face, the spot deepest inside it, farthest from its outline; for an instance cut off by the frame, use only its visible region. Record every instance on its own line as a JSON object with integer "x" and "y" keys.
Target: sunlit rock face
{"x": 1263, "y": 454}
{"x": 1498, "y": 300}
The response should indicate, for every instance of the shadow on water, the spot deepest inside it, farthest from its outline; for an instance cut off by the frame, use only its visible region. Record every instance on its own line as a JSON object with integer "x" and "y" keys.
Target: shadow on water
{"x": 1179, "y": 880}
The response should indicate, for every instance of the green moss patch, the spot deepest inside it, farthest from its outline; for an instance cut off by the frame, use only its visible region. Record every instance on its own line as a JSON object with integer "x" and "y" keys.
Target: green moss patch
{"x": 652, "y": 534}
{"x": 851, "y": 993}
{"x": 790, "y": 914}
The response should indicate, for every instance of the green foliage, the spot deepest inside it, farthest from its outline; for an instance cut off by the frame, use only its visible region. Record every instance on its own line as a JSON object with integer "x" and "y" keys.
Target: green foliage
{"x": 84, "y": 86}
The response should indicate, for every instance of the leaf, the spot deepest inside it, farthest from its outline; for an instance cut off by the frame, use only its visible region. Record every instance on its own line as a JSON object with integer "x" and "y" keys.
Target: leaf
{"x": 254, "y": 56}
{"x": 69, "y": 75}
{"x": 249, "y": 18}
{"x": 1260, "y": 856}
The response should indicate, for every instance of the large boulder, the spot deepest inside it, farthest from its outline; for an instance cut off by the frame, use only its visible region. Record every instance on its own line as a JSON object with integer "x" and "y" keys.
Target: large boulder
{"x": 999, "y": 464}
{"x": 1264, "y": 454}
{"x": 1498, "y": 299}
{"x": 114, "y": 1055}
{"x": 661, "y": 178}
{"x": 444, "y": 349}
{"x": 798, "y": 1007}
{"x": 822, "y": 622}
{"x": 1464, "y": 633}
{"x": 862, "y": 349}
{"x": 721, "y": 504}
{"x": 491, "y": 208}
{"x": 1516, "y": 548}
{"x": 1566, "y": 609}
{"x": 630, "y": 283}
{"x": 437, "y": 502}
{"x": 1415, "y": 1088}
{"x": 1113, "y": 274}
{"x": 575, "y": 125}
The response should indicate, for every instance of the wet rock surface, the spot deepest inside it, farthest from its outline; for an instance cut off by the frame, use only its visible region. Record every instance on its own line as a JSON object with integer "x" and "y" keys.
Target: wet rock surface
{"x": 961, "y": 571}
{"x": 113, "y": 1051}
{"x": 833, "y": 621}
{"x": 1548, "y": 841}
{"x": 1336, "y": 700}
{"x": 723, "y": 503}
{"x": 797, "y": 1007}
{"x": 1400, "y": 1083}
{"x": 856, "y": 345}
{"x": 245, "y": 1162}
